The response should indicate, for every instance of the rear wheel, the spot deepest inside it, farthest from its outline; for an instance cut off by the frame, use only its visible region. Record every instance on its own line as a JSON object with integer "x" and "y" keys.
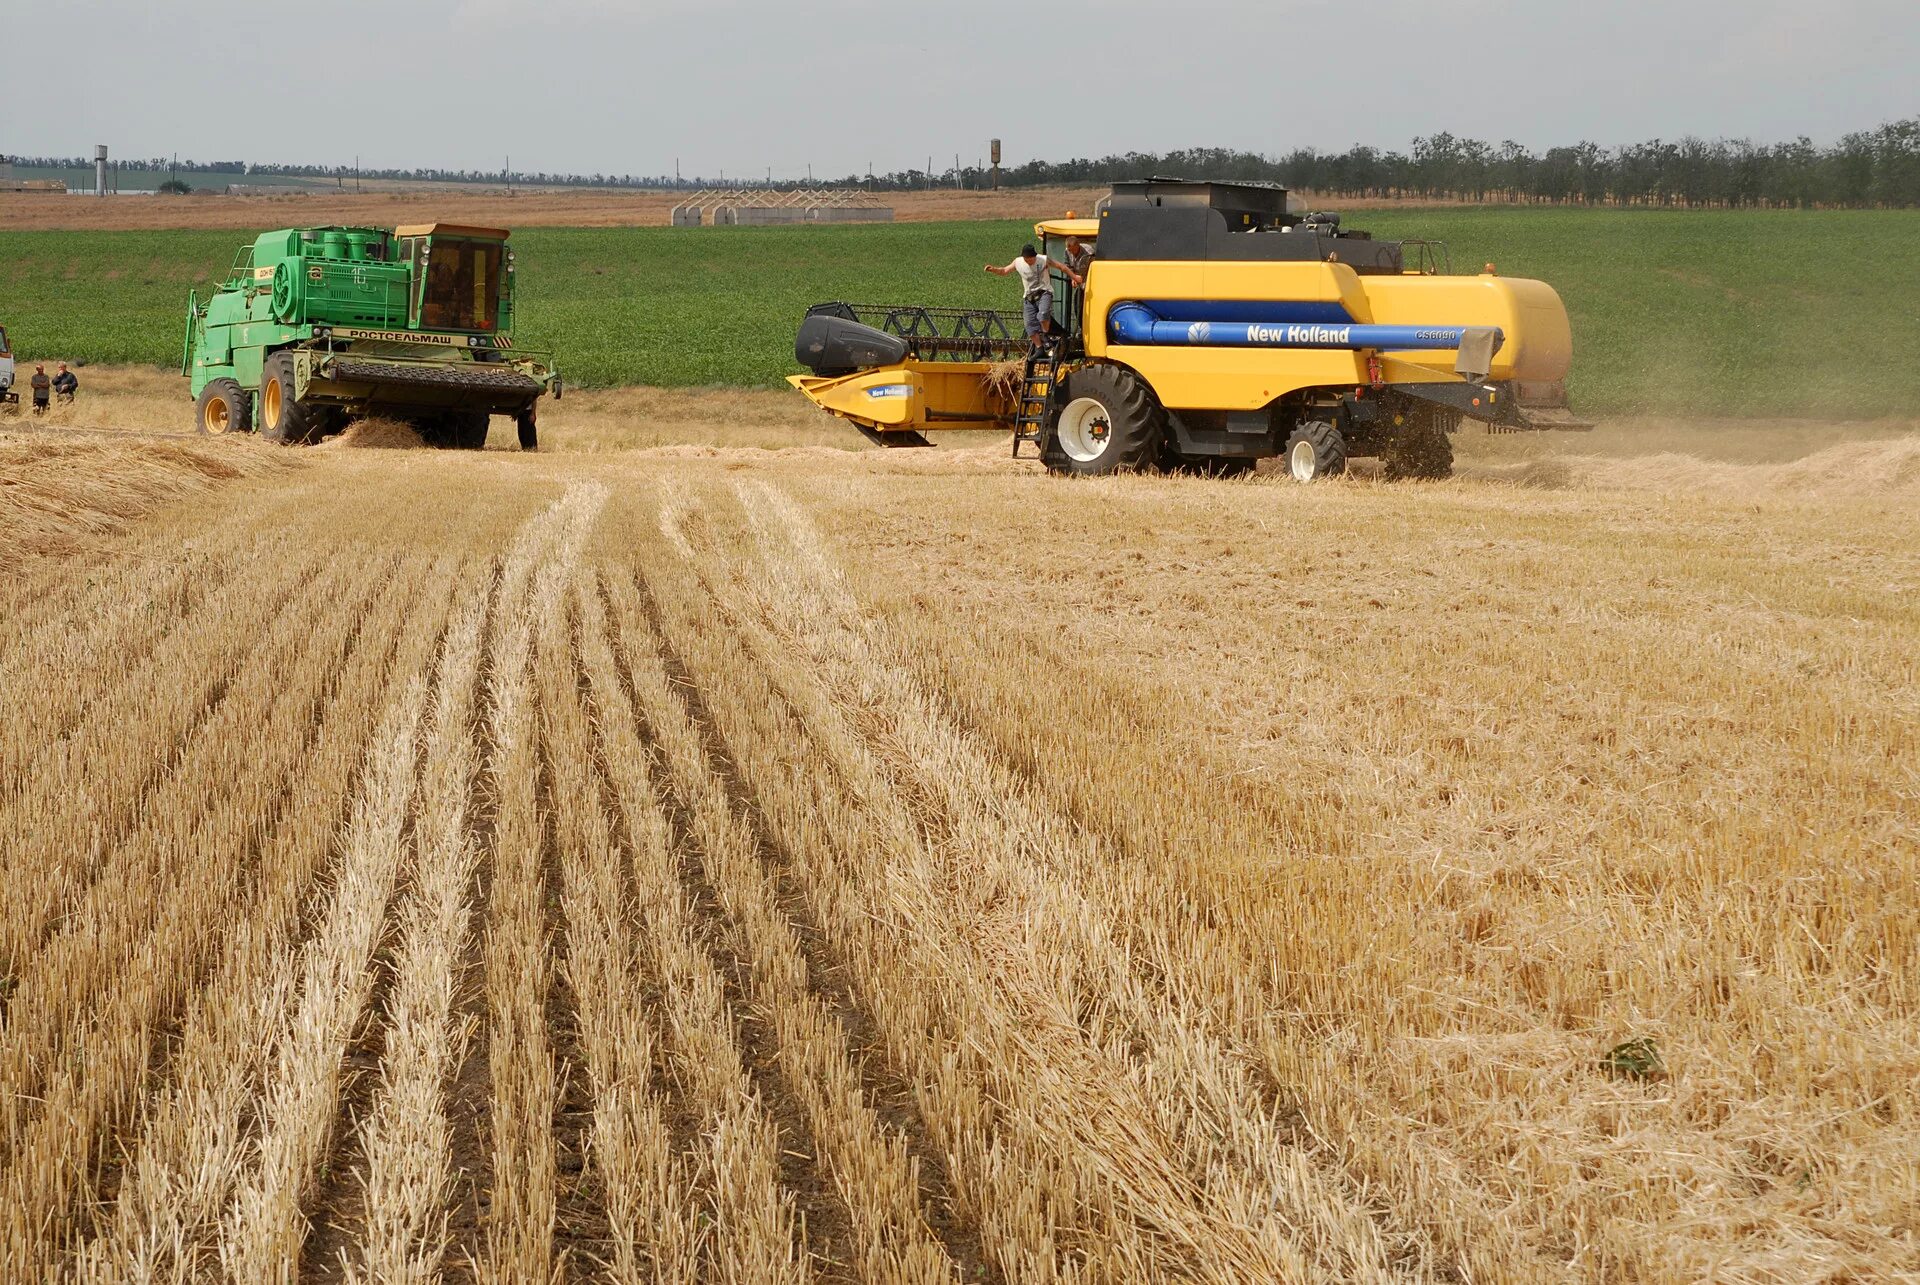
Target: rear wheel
{"x": 282, "y": 418}
{"x": 1111, "y": 423}
{"x": 529, "y": 430}
{"x": 221, "y": 408}
{"x": 1315, "y": 450}
{"x": 1420, "y": 448}
{"x": 457, "y": 430}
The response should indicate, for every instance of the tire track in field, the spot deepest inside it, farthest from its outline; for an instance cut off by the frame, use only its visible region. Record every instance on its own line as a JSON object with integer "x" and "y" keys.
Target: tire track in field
{"x": 1013, "y": 1128}
{"x": 468, "y": 1092}
{"x": 581, "y": 1227}
{"x": 1179, "y": 1136}
{"x": 884, "y": 1122}
{"x": 381, "y": 1207}
{"x": 521, "y": 1209}
{"x": 824, "y": 1218}
{"x": 264, "y": 1228}
{"x": 1130, "y": 1001}
{"x": 644, "y": 1153}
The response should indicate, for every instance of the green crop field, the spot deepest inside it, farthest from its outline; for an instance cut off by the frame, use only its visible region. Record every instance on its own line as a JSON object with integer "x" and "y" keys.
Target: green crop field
{"x": 1747, "y": 313}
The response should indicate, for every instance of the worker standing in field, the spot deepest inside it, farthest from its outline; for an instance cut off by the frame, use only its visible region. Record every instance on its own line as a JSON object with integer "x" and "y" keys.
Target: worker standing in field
{"x": 42, "y": 387}
{"x": 65, "y": 384}
{"x": 1036, "y": 302}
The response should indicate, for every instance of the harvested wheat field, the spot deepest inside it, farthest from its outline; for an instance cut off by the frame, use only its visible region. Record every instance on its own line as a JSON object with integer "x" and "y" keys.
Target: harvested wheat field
{"x": 699, "y": 863}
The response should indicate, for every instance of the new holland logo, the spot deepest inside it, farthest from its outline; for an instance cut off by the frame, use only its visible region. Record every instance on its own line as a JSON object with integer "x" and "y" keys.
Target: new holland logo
{"x": 891, "y": 390}
{"x": 1199, "y": 332}
{"x": 1298, "y": 334}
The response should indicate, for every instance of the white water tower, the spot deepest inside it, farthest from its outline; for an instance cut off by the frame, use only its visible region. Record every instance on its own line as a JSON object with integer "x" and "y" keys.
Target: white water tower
{"x": 100, "y": 170}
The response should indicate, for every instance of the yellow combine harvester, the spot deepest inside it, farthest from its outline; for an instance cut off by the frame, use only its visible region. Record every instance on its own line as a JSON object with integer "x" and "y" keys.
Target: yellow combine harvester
{"x": 1214, "y": 329}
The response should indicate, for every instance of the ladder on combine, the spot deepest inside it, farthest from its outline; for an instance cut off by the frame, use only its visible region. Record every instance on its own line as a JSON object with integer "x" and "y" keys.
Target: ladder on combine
{"x": 1037, "y": 379}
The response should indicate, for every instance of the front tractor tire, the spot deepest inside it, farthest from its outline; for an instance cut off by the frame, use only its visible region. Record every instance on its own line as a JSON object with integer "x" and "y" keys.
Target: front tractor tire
{"x": 1315, "y": 450}
{"x": 529, "y": 430}
{"x": 282, "y": 418}
{"x": 222, "y": 408}
{"x": 1420, "y": 448}
{"x": 1110, "y": 423}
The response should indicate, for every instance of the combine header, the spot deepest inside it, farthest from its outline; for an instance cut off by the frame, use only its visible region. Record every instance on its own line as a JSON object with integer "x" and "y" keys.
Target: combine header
{"x": 1214, "y": 329}
{"x": 316, "y": 327}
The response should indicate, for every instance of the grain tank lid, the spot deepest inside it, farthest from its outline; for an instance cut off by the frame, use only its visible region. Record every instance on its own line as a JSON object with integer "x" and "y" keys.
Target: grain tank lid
{"x": 452, "y": 229}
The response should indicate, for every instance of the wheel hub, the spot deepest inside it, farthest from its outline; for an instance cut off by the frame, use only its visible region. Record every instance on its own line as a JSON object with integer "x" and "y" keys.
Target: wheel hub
{"x": 1303, "y": 462}
{"x": 1085, "y": 429}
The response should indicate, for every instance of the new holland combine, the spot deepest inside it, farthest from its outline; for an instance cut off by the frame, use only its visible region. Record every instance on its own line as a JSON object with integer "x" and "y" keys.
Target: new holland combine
{"x": 1214, "y": 329}
{"x": 316, "y": 327}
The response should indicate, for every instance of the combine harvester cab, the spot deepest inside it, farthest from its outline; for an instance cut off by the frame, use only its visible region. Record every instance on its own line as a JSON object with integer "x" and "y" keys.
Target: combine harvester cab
{"x": 1215, "y": 329}
{"x": 316, "y": 327}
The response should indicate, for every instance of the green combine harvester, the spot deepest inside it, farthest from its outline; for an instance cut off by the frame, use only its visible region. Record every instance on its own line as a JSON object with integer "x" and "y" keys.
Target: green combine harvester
{"x": 317, "y": 327}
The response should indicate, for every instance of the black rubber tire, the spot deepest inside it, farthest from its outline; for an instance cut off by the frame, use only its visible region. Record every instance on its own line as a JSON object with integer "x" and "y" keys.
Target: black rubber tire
{"x": 464, "y": 430}
{"x": 1329, "y": 450}
{"x": 227, "y": 394}
{"x": 296, "y": 424}
{"x": 1172, "y": 461}
{"x": 1136, "y": 423}
{"x": 529, "y": 430}
{"x": 1419, "y": 448}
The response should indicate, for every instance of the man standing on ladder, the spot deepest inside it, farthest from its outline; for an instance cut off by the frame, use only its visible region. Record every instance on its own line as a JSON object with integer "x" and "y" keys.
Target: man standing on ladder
{"x": 1036, "y": 304}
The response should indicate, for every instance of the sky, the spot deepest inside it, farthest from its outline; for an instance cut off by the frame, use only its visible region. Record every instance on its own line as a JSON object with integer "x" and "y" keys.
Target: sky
{"x": 748, "y": 87}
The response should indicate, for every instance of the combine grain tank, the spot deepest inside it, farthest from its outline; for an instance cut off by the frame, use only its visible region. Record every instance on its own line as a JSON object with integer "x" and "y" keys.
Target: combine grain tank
{"x": 1215, "y": 328}
{"x": 316, "y": 327}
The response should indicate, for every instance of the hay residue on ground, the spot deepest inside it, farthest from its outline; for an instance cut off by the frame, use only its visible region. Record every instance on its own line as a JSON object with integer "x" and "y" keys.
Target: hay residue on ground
{"x": 377, "y": 434}
{"x": 1846, "y": 470}
{"x": 57, "y": 494}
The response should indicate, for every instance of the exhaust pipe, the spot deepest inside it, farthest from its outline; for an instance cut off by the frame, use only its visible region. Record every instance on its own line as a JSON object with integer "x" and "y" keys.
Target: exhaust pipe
{"x": 1133, "y": 323}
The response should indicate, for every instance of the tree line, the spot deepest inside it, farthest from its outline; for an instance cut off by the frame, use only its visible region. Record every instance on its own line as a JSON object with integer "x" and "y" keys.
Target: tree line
{"x": 1864, "y": 169}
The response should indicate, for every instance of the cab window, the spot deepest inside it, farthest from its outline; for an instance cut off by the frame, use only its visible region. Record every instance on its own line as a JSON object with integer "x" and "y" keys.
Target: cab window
{"x": 463, "y": 285}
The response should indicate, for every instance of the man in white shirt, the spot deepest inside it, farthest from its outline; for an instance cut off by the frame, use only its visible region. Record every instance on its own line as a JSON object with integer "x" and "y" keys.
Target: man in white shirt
{"x": 1036, "y": 302}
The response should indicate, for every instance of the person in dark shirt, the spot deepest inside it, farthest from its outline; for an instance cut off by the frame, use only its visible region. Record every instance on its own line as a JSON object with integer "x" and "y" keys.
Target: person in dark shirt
{"x": 42, "y": 386}
{"x": 65, "y": 384}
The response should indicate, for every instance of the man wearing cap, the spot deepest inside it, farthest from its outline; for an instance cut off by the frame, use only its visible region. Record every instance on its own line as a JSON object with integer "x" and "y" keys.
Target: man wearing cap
{"x": 1036, "y": 304}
